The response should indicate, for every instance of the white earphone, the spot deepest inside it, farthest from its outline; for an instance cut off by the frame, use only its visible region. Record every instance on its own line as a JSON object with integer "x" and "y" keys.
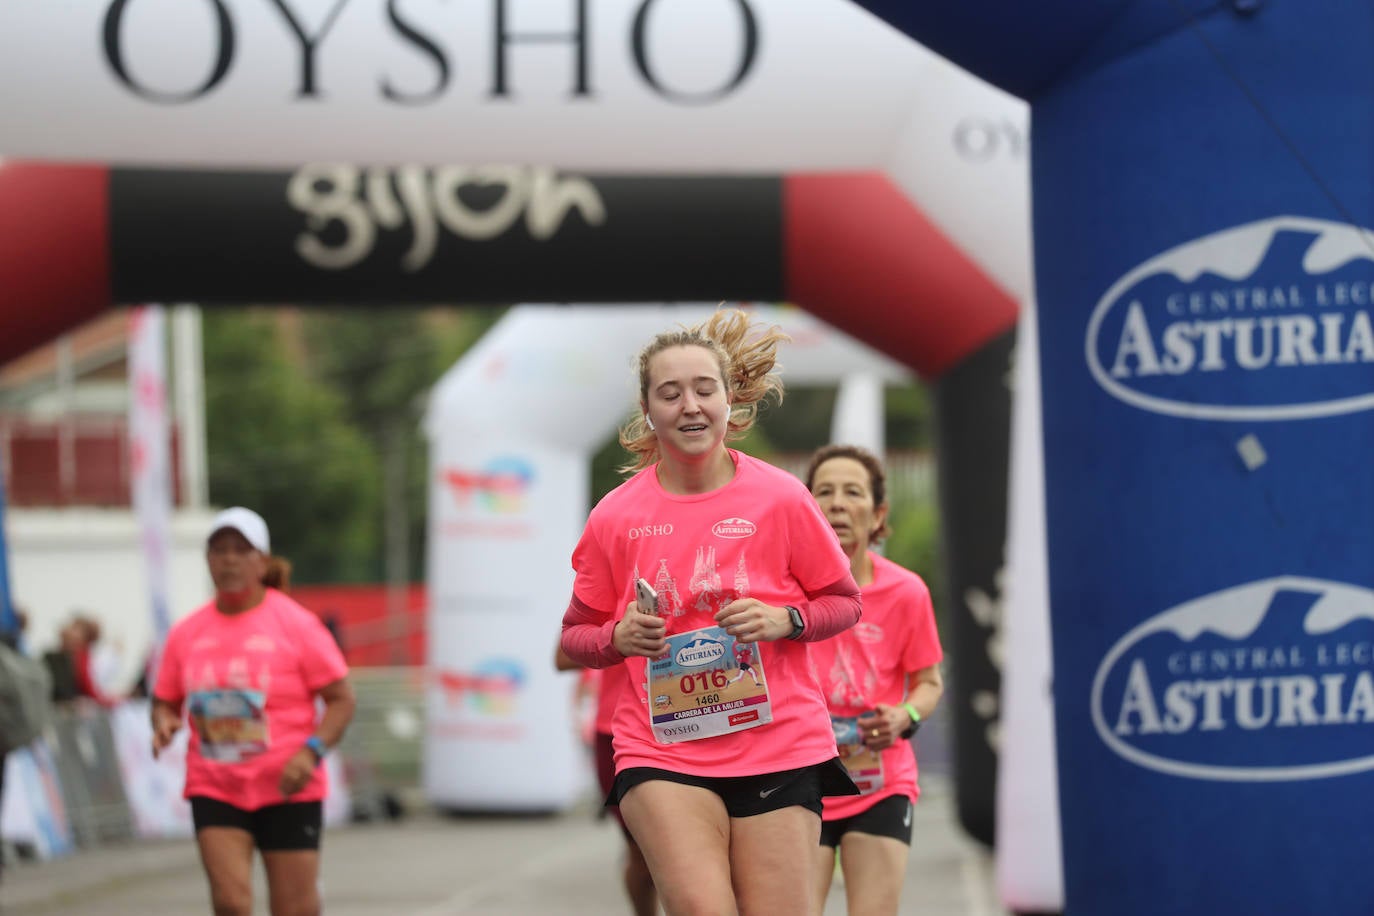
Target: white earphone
{"x": 649, "y": 423}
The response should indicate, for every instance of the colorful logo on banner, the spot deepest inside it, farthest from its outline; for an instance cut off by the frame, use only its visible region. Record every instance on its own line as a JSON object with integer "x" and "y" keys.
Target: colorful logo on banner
{"x": 490, "y": 688}
{"x": 1267, "y": 681}
{"x": 499, "y": 487}
{"x": 1266, "y": 321}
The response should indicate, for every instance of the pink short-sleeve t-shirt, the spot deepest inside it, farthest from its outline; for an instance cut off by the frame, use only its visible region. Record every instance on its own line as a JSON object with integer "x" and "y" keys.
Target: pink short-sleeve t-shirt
{"x": 759, "y": 536}
{"x": 247, "y": 682}
{"x": 610, "y": 687}
{"x": 869, "y": 663}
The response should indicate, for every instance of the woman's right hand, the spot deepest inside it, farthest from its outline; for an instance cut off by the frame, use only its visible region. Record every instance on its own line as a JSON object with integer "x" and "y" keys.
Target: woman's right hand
{"x": 166, "y": 723}
{"x": 640, "y": 634}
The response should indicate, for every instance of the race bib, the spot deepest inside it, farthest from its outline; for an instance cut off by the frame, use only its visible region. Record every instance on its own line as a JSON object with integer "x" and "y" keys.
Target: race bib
{"x": 232, "y": 724}
{"x": 864, "y": 764}
{"x": 704, "y": 685}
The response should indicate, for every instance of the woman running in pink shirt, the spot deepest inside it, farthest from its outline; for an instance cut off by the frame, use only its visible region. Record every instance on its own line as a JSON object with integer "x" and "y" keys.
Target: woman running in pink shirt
{"x": 881, "y": 679}
{"x": 248, "y": 667}
{"x": 720, "y": 782}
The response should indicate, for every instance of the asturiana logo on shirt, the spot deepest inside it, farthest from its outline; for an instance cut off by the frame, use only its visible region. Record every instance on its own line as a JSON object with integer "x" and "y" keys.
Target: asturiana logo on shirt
{"x": 699, "y": 652}
{"x": 868, "y": 632}
{"x": 734, "y": 528}
{"x": 1268, "y": 681}
{"x": 1266, "y": 321}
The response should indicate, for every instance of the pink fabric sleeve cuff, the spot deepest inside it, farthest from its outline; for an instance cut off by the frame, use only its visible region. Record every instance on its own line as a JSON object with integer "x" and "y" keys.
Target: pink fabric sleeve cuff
{"x": 588, "y": 636}
{"x": 832, "y": 610}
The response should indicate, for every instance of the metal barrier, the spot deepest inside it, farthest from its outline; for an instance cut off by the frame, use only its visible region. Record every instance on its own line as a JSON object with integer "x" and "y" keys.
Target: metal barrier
{"x": 379, "y": 758}
{"x": 83, "y": 749}
{"x": 382, "y": 747}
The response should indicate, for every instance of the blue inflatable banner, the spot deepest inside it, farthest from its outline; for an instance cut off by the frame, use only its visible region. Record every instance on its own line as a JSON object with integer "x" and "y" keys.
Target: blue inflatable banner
{"x": 1208, "y": 374}
{"x": 1204, "y": 235}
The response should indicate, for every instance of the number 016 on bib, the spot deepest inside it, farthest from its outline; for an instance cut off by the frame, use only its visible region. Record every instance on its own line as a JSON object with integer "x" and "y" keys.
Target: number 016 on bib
{"x": 706, "y": 684}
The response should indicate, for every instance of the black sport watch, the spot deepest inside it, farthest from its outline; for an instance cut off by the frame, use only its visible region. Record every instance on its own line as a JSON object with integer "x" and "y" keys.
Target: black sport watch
{"x": 798, "y": 624}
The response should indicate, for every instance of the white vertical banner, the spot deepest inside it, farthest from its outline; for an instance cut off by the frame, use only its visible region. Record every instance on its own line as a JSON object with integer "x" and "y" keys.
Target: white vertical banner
{"x": 1030, "y": 874}
{"x": 150, "y": 459}
{"x": 858, "y": 415}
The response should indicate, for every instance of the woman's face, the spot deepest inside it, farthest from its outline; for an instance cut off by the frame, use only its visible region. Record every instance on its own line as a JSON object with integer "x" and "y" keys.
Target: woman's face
{"x": 236, "y": 566}
{"x": 687, "y": 401}
{"x": 845, "y": 494}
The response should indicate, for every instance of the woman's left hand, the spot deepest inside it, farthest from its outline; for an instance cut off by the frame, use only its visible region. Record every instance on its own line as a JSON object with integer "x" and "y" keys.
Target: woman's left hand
{"x": 297, "y": 771}
{"x": 883, "y": 727}
{"x": 750, "y": 620}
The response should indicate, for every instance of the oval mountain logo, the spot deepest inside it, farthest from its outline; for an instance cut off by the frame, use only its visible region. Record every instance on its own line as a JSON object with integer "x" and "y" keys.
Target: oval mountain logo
{"x": 1266, "y": 321}
{"x": 734, "y": 528}
{"x": 699, "y": 652}
{"x": 1268, "y": 681}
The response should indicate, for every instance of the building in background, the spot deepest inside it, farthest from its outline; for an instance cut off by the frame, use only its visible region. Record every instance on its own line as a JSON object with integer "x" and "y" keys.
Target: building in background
{"x": 73, "y": 539}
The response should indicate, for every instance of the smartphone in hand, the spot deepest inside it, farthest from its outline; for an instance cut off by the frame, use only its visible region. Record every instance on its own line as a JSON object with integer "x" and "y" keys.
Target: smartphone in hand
{"x": 646, "y": 597}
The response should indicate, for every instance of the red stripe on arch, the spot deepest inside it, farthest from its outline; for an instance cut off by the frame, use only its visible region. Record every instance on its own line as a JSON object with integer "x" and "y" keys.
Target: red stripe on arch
{"x": 860, "y": 256}
{"x": 54, "y": 251}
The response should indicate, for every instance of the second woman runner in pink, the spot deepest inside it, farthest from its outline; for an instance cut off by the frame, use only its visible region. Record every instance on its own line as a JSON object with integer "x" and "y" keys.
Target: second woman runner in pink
{"x": 881, "y": 679}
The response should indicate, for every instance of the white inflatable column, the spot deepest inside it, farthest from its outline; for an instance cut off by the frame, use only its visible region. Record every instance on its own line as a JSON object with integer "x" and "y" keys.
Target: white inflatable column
{"x": 858, "y": 418}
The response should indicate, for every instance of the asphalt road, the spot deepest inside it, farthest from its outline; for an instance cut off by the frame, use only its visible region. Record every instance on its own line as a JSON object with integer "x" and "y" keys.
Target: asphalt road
{"x": 430, "y": 864}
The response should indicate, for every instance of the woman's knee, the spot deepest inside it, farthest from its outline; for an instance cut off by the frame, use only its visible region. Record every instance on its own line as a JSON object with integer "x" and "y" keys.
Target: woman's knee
{"x": 298, "y": 907}
{"x": 232, "y": 901}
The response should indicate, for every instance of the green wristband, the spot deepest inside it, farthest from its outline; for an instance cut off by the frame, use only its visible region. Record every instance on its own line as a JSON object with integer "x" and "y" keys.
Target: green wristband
{"x": 915, "y": 720}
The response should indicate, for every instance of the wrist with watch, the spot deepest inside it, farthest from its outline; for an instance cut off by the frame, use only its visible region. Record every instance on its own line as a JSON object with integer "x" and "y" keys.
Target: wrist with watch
{"x": 798, "y": 623}
{"x": 915, "y": 720}
{"x": 317, "y": 747}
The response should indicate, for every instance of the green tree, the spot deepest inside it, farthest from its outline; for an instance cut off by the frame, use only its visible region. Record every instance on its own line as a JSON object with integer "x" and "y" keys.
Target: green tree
{"x": 383, "y": 365}
{"x": 802, "y": 421}
{"x": 281, "y": 444}
{"x": 915, "y": 544}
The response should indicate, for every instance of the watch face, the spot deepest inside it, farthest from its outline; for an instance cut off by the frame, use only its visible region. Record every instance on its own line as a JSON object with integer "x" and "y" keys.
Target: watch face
{"x": 797, "y": 623}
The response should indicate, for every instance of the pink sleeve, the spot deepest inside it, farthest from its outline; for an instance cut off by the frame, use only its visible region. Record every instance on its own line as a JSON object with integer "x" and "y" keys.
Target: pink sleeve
{"x": 593, "y": 584}
{"x": 923, "y": 643}
{"x": 817, "y": 560}
{"x": 587, "y": 636}
{"x": 832, "y": 609}
{"x": 587, "y": 632}
{"x": 321, "y": 661}
{"x": 168, "y": 685}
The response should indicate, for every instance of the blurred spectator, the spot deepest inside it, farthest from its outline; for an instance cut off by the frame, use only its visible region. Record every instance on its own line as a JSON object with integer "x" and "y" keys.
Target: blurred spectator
{"x": 78, "y": 640}
{"x": 14, "y": 640}
{"x": 333, "y": 622}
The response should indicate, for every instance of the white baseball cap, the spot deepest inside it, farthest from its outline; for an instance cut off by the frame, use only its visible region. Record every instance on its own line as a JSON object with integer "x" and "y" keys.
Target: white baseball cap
{"x": 247, "y": 523}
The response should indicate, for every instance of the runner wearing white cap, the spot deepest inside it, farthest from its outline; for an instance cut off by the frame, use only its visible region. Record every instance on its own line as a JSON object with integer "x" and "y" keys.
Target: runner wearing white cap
{"x": 247, "y": 668}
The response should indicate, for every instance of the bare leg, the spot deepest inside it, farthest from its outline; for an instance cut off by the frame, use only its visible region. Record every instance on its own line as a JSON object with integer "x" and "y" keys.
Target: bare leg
{"x": 824, "y": 873}
{"x": 293, "y": 881}
{"x": 639, "y": 883}
{"x": 874, "y": 870}
{"x": 684, "y": 834}
{"x": 227, "y": 855}
{"x": 765, "y": 851}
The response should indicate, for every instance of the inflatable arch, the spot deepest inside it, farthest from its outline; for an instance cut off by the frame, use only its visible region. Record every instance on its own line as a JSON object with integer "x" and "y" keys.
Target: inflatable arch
{"x": 1203, "y": 205}
{"x": 846, "y": 169}
{"x": 850, "y": 248}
